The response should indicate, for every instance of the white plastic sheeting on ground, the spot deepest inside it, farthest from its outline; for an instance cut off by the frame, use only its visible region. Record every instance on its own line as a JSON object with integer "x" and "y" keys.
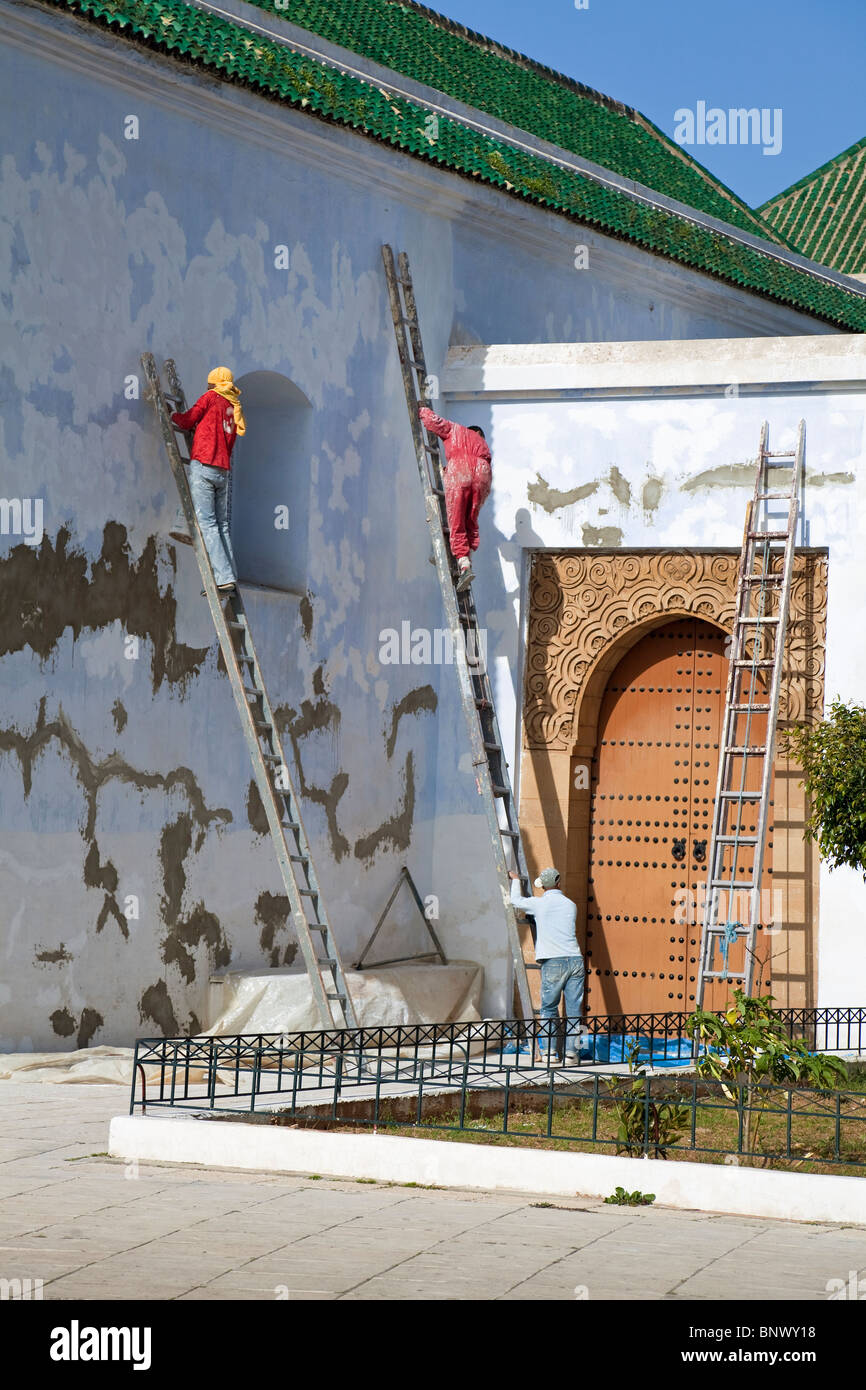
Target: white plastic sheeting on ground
{"x": 280, "y": 1001}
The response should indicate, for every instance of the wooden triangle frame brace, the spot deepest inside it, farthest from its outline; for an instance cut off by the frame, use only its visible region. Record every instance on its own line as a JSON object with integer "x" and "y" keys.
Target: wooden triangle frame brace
{"x": 403, "y": 877}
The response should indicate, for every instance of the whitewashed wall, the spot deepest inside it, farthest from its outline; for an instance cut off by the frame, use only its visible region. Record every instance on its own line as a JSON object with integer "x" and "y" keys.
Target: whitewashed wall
{"x": 655, "y": 470}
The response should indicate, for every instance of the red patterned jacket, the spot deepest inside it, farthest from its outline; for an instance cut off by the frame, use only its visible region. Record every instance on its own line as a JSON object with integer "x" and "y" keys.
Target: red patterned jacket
{"x": 213, "y": 419}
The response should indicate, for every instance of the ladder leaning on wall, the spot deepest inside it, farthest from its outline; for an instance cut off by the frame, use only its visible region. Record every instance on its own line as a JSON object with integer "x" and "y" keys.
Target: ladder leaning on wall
{"x": 282, "y": 807}
{"x": 754, "y": 687}
{"x": 476, "y": 692}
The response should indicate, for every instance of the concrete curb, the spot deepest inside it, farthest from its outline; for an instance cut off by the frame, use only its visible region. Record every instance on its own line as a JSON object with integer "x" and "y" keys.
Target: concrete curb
{"x": 388, "y": 1158}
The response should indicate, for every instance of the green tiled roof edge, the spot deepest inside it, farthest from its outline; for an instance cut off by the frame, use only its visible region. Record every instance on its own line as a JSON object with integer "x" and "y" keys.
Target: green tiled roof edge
{"x": 422, "y": 44}
{"x": 275, "y": 70}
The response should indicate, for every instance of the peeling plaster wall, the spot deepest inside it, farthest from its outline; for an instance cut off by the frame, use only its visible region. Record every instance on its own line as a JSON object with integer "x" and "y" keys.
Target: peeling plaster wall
{"x": 132, "y": 858}
{"x": 660, "y": 472}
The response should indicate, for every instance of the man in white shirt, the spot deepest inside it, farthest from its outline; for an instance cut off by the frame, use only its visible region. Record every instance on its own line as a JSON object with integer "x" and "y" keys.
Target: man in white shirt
{"x": 558, "y": 954}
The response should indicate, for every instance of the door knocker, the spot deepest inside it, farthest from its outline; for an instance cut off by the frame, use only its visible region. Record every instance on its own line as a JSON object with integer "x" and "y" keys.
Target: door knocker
{"x": 700, "y": 851}
{"x": 679, "y": 849}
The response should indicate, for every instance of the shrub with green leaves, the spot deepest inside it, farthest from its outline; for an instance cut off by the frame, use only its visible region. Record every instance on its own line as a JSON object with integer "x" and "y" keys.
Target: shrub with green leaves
{"x": 645, "y": 1122}
{"x": 832, "y": 755}
{"x": 748, "y": 1047}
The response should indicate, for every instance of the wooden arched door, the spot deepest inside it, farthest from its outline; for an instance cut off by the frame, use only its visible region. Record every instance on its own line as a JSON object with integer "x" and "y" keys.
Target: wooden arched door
{"x": 653, "y": 791}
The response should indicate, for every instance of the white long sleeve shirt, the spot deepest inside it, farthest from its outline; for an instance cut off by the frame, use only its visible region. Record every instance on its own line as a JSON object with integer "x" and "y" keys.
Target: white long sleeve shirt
{"x": 555, "y": 917}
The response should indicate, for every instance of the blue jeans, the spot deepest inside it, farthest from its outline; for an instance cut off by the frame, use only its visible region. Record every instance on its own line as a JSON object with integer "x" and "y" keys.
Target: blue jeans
{"x": 210, "y": 493}
{"x": 561, "y": 975}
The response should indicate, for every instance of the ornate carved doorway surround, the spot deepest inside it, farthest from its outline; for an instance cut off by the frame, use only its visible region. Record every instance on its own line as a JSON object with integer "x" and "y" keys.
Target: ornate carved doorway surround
{"x": 587, "y": 611}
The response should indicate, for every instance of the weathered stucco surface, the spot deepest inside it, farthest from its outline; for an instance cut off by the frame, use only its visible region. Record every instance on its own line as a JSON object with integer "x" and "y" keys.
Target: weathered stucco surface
{"x": 132, "y": 857}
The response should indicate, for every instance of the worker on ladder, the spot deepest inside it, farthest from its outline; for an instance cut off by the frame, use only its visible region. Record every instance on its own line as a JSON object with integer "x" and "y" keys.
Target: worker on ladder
{"x": 467, "y": 485}
{"x": 561, "y": 961}
{"x": 217, "y": 418}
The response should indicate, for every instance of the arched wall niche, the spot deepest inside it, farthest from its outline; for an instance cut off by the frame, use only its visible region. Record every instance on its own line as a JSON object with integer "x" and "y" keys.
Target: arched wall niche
{"x": 271, "y": 471}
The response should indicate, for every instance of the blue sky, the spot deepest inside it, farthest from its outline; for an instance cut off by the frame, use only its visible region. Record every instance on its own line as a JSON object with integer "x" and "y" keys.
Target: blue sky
{"x": 807, "y": 57}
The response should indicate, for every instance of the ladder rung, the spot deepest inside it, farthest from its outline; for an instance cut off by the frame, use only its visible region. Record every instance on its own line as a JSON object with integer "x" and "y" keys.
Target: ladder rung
{"x": 500, "y": 791}
{"x": 741, "y": 796}
{"x": 768, "y": 535}
{"x": 493, "y": 747}
{"x": 239, "y": 626}
{"x": 736, "y": 839}
{"x": 750, "y": 709}
{"x": 510, "y": 834}
{"x": 763, "y": 579}
{"x": 785, "y": 455}
{"x": 750, "y": 622}
{"x": 765, "y": 661}
{"x": 309, "y": 892}
{"x": 746, "y": 748}
{"x": 299, "y": 858}
{"x": 341, "y": 997}
{"x": 289, "y": 825}
{"x": 731, "y": 883}
{"x": 773, "y": 497}
{"x": 723, "y": 975}
{"x": 316, "y": 926}
{"x": 327, "y": 963}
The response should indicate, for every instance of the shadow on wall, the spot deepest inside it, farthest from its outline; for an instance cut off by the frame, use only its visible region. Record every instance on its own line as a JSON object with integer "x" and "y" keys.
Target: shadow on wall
{"x": 270, "y": 500}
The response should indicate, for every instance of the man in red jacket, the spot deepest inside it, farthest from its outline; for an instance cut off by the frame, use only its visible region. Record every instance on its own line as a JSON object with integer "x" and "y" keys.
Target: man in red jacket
{"x": 467, "y": 481}
{"x": 217, "y": 419}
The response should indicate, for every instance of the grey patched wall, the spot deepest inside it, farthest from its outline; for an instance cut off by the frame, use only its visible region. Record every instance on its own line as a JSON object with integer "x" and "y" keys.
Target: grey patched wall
{"x": 132, "y": 859}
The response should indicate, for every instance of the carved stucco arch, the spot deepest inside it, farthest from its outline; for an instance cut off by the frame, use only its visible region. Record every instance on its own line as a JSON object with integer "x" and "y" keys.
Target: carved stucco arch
{"x": 586, "y": 610}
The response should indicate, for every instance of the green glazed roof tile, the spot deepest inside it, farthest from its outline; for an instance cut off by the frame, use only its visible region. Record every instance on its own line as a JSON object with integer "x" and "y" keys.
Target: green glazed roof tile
{"x": 824, "y": 214}
{"x": 424, "y": 45}
{"x": 284, "y": 75}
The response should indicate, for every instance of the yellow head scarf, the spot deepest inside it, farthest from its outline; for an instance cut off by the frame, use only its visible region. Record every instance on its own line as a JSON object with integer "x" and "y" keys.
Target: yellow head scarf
{"x": 222, "y": 381}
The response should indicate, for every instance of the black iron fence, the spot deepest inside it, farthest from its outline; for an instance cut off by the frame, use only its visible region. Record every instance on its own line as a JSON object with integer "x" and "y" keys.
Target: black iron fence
{"x": 646, "y": 1116}
{"x": 303, "y": 1067}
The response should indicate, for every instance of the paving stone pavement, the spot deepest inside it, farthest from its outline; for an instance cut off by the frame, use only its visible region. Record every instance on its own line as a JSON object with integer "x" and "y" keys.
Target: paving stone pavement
{"x": 92, "y": 1227}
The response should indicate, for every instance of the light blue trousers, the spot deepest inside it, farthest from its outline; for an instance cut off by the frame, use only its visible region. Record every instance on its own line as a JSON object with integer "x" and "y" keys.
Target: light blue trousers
{"x": 561, "y": 975}
{"x": 210, "y": 494}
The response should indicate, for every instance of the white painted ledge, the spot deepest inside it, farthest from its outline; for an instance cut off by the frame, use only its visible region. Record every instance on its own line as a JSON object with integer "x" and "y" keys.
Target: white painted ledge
{"x": 523, "y": 369}
{"x": 387, "y": 1158}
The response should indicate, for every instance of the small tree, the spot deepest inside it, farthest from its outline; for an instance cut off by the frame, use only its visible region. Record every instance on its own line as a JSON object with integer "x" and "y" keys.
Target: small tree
{"x": 749, "y": 1047}
{"x": 832, "y": 755}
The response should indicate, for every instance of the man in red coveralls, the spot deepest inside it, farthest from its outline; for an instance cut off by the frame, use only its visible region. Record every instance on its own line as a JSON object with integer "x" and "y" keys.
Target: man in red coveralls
{"x": 467, "y": 485}
{"x": 217, "y": 419}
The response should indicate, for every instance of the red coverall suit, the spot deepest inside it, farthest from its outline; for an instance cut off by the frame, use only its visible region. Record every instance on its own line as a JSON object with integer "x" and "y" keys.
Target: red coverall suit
{"x": 467, "y": 479}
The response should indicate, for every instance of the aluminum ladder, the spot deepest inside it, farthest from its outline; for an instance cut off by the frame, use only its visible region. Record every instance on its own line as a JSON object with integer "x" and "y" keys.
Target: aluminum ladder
{"x": 488, "y": 758}
{"x": 754, "y": 686}
{"x": 270, "y": 768}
